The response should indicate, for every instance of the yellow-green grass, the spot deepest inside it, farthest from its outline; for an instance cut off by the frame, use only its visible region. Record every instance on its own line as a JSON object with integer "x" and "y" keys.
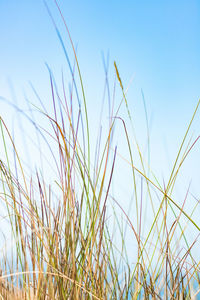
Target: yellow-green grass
{"x": 65, "y": 247}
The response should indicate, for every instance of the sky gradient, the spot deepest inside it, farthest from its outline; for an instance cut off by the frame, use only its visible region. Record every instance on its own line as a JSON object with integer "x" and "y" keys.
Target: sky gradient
{"x": 155, "y": 42}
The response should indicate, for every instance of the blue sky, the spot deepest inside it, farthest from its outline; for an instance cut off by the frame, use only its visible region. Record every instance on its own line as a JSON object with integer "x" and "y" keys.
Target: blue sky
{"x": 155, "y": 42}
{"x": 158, "y": 41}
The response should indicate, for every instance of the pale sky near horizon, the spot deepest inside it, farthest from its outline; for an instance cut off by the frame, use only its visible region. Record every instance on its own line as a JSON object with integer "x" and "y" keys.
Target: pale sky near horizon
{"x": 156, "y": 43}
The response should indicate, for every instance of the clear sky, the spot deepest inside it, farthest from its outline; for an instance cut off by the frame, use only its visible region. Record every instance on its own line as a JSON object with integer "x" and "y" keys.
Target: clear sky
{"x": 156, "y": 42}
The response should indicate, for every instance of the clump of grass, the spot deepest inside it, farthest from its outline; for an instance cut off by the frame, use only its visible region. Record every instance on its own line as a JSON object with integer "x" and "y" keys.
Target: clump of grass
{"x": 64, "y": 244}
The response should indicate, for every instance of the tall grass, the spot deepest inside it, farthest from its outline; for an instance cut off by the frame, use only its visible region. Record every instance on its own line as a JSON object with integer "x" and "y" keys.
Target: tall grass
{"x": 66, "y": 247}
